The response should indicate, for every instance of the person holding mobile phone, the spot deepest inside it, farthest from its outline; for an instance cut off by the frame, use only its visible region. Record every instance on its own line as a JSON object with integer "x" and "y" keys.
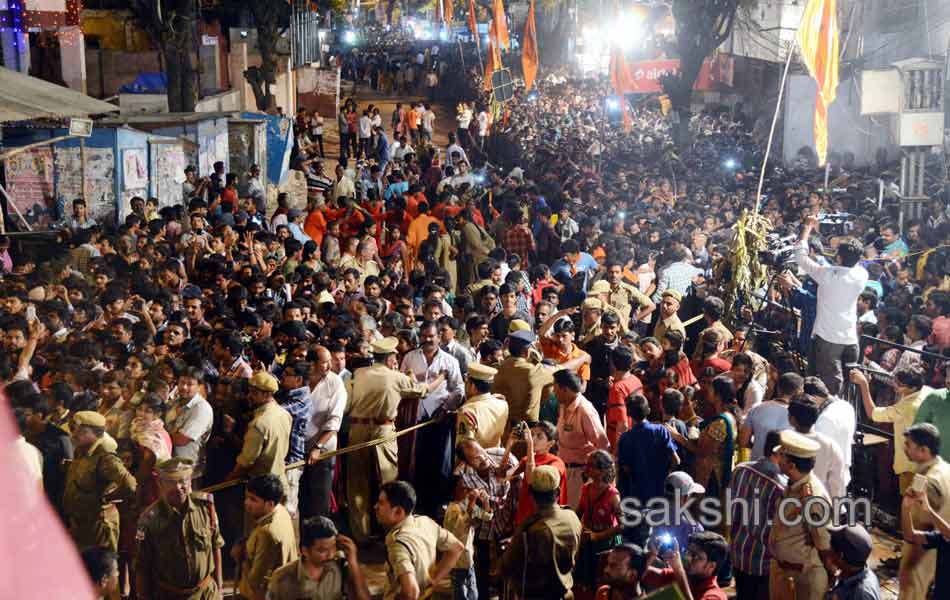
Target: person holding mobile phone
{"x": 328, "y": 566}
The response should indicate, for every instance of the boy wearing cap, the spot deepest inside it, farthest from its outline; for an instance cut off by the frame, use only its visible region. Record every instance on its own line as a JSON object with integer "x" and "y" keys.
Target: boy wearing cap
{"x": 540, "y": 560}
{"x": 91, "y": 517}
{"x": 483, "y": 416}
{"x": 797, "y": 570}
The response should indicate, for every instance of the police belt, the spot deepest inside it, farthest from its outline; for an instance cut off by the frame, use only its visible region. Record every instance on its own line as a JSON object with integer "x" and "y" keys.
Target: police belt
{"x": 787, "y": 566}
{"x": 185, "y": 592}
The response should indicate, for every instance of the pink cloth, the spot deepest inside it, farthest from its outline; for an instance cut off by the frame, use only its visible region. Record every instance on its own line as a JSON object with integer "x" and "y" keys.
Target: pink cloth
{"x": 51, "y": 570}
{"x": 579, "y": 432}
{"x": 152, "y": 435}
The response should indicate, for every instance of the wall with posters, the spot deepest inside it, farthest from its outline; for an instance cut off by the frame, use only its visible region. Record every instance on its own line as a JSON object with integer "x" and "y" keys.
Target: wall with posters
{"x": 167, "y": 162}
{"x": 212, "y": 138}
{"x": 30, "y": 183}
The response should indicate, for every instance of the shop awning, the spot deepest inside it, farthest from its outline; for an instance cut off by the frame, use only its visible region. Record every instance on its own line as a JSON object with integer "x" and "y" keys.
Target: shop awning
{"x": 23, "y": 97}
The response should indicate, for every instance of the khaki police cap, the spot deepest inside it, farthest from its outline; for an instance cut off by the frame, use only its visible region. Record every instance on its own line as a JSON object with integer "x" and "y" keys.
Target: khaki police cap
{"x": 600, "y": 287}
{"x": 592, "y": 304}
{"x": 796, "y": 444}
{"x": 545, "y": 478}
{"x": 176, "y": 468}
{"x": 387, "y": 345}
{"x": 481, "y": 372}
{"x": 518, "y": 325}
{"x": 264, "y": 381}
{"x": 675, "y": 294}
{"x": 90, "y": 418}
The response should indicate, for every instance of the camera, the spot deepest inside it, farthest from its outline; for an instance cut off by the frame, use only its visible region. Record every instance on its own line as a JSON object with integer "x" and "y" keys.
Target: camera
{"x": 781, "y": 251}
{"x": 518, "y": 428}
{"x": 664, "y": 543}
{"x": 836, "y": 224}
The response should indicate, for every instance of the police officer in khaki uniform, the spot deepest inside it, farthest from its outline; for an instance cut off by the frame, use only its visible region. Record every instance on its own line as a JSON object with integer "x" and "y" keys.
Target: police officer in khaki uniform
{"x": 328, "y": 566}
{"x": 484, "y": 416}
{"x": 799, "y": 552}
{"x": 539, "y": 562}
{"x": 268, "y": 435}
{"x": 601, "y": 290}
{"x": 412, "y": 542}
{"x": 95, "y": 469}
{"x": 178, "y": 553}
{"x": 669, "y": 320}
{"x": 273, "y": 541}
{"x": 623, "y": 296}
{"x": 521, "y": 381}
{"x": 919, "y": 508}
{"x": 374, "y": 402}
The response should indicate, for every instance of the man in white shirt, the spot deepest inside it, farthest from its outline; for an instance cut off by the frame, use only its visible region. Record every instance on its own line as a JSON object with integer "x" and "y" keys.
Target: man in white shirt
{"x": 255, "y": 188}
{"x": 464, "y": 119}
{"x": 484, "y": 120}
{"x": 836, "y": 419}
{"x": 835, "y": 340}
{"x": 344, "y": 187}
{"x": 428, "y": 122}
{"x": 426, "y": 363}
{"x": 365, "y": 126}
{"x": 454, "y": 153}
{"x": 328, "y": 400}
{"x": 192, "y": 424}
{"x": 829, "y": 462}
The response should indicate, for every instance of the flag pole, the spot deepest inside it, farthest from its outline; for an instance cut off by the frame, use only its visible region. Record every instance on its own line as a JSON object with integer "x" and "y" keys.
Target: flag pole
{"x": 768, "y": 147}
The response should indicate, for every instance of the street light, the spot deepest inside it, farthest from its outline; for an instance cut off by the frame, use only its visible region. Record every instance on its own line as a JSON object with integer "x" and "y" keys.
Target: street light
{"x": 349, "y": 37}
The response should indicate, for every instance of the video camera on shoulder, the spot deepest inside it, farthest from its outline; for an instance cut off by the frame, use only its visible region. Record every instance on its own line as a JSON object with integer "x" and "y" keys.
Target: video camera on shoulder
{"x": 836, "y": 224}
{"x": 781, "y": 251}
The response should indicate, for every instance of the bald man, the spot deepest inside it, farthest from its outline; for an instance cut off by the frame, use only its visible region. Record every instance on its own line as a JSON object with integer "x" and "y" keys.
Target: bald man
{"x": 328, "y": 398}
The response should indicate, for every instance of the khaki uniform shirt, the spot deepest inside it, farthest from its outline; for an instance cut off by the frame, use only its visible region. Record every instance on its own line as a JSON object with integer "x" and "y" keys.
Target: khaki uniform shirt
{"x": 291, "y": 582}
{"x": 92, "y": 521}
{"x": 540, "y": 560}
{"x": 625, "y": 297}
{"x": 483, "y": 418}
{"x": 800, "y": 544}
{"x": 267, "y": 441}
{"x": 521, "y": 383}
{"x": 272, "y": 544}
{"x": 664, "y": 325}
{"x": 377, "y": 391}
{"x": 937, "y": 473}
{"x": 411, "y": 547}
{"x": 176, "y": 548}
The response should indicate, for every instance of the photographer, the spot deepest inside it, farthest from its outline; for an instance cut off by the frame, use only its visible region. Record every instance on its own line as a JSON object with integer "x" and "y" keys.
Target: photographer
{"x": 835, "y": 339}
{"x": 697, "y": 579}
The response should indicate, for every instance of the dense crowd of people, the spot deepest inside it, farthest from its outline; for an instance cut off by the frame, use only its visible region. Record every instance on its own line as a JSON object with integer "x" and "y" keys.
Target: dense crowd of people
{"x": 541, "y": 305}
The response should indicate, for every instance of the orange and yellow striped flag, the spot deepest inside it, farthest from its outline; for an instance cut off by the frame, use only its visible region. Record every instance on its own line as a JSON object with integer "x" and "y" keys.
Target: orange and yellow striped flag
{"x": 818, "y": 40}
{"x": 492, "y": 63}
{"x": 529, "y": 50}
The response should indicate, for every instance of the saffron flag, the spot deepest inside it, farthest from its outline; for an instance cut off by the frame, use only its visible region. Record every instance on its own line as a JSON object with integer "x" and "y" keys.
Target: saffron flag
{"x": 473, "y": 24}
{"x": 529, "y": 50}
{"x": 499, "y": 26}
{"x": 818, "y": 40}
{"x": 622, "y": 80}
{"x": 492, "y": 62}
{"x": 447, "y": 9}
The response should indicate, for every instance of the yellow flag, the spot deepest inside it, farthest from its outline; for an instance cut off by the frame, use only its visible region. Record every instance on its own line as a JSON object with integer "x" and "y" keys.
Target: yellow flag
{"x": 818, "y": 40}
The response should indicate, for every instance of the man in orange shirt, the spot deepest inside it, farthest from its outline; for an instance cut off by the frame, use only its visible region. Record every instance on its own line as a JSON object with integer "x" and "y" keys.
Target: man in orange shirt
{"x": 623, "y": 384}
{"x": 315, "y": 225}
{"x": 412, "y": 118}
{"x": 419, "y": 231}
{"x": 560, "y": 346}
